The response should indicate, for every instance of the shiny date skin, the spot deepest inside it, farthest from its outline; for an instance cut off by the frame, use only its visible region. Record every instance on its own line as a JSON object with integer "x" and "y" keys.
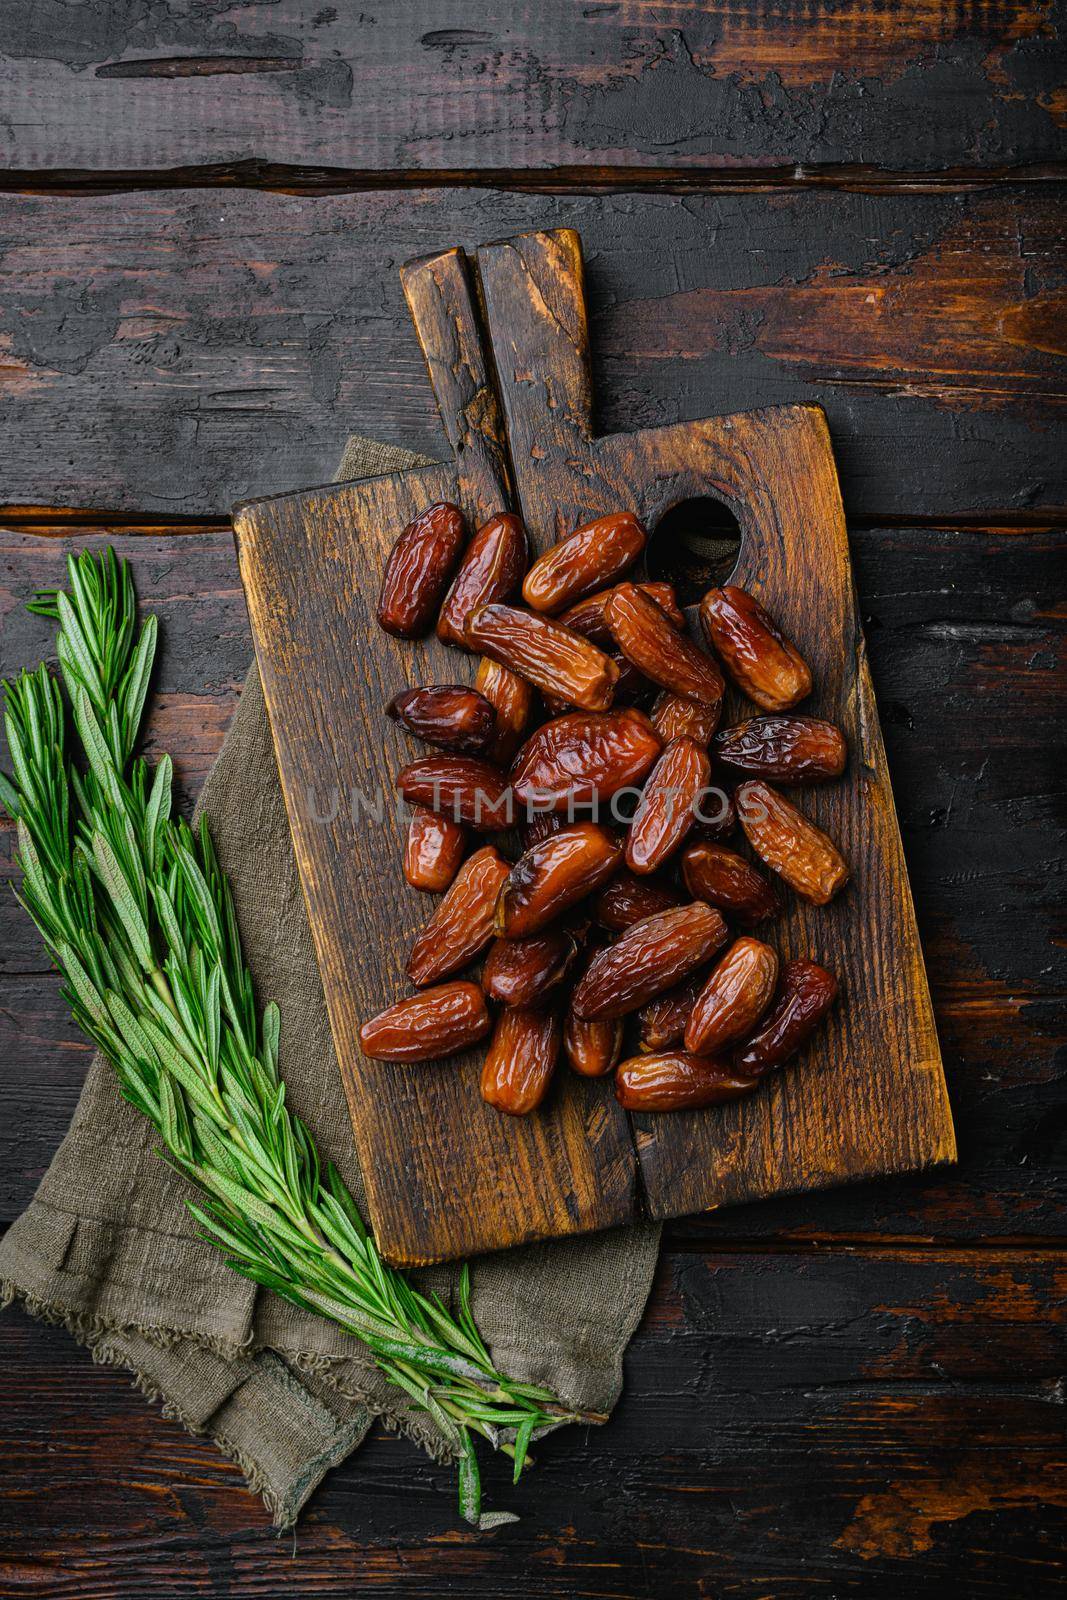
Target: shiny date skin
{"x": 628, "y": 899}
{"x": 589, "y": 616}
{"x": 462, "y": 925}
{"x": 511, "y": 697}
{"x": 665, "y": 814}
{"x": 762, "y": 662}
{"x": 583, "y": 758}
{"x": 521, "y": 1059}
{"x": 733, "y": 999}
{"x": 433, "y": 851}
{"x": 791, "y": 749}
{"x": 521, "y": 972}
{"x": 675, "y": 1080}
{"x": 554, "y": 875}
{"x": 592, "y": 1048}
{"x": 586, "y": 560}
{"x": 418, "y": 569}
{"x": 805, "y": 994}
{"x": 675, "y": 716}
{"x": 662, "y": 1022}
{"x": 648, "y": 959}
{"x": 548, "y": 655}
{"x": 428, "y": 1026}
{"x": 462, "y": 788}
{"x": 446, "y": 715}
{"x": 656, "y": 648}
{"x": 492, "y": 568}
{"x": 790, "y": 843}
{"x": 725, "y": 879}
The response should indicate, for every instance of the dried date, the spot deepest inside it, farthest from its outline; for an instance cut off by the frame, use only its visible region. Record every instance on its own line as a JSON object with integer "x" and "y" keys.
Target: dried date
{"x": 649, "y": 958}
{"x": 511, "y": 697}
{"x": 462, "y": 925}
{"x": 492, "y": 569}
{"x": 791, "y": 749}
{"x": 418, "y": 569}
{"x": 548, "y": 655}
{"x": 725, "y": 879}
{"x": 554, "y": 875}
{"x": 447, "y": 715}
{"x": 656, "y": 648}
{"x": 583, "y": 758}
{"x": 790, "y": 843}
{"x": 762, "y": 662}
{"x": 589, "y": 617}
{"x": 521, "y": 1059}
{"x": 462, "y": 788}
{"x": 628, "y": 899}
{"x": 805, "y": 994}
{"x": 520, "y": 972}
{"x": 665, "y": 815}
{"x": 736, "y": 995}
{"x": 587, "y": 559}
{"x": 674, "y": 1080}
{"x": 427, "y": 1026}
{"x": 433, "y": 851}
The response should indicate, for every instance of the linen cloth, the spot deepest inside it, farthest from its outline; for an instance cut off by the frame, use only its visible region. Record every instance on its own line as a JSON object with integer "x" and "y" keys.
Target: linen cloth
{"x": 107, "y": 1248}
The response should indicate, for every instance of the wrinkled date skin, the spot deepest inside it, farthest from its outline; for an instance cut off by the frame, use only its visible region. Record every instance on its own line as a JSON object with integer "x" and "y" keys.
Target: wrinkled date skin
{"x": 762, "y": 662}
{"x": 583, "y": 758}
{"x": 587, "y": 559}
{"x": 656, "y": 648}
{"x": 521, "y": 1059}
{"x": 553, "y": 875}
{"x": 806, "y": 992}
{"x": 718, "y": 814}
{"x": 520, "y": 972}
{"x": 459, "y": 787}
{"x": 541, "y": 825}
{"x": 462, "y": 925}
{"x": 548, "y": 655}
{"x": 792, "y": 749}
{"x": 447, "y": 715}
{"x": 734, "y": 998}
{"x": 628, "y": 899}
{"x": 790, "y": 844}
{"x": 647, "y": 959}
{"x": 589, "y": 616}
{"x": 492, "y": 569}
{"x": 662, "y": 1021}
{"x": 665, "y": 815}
{"x": 425, "y": 1027}
{"x": 675, "y": 716}
{"x": 674, "y": 1080}
{"x": 418, "y": 569}
{"x": 511, "y": 697}
{"x": 434, "y": 849}
{"x": 725, "y": 879}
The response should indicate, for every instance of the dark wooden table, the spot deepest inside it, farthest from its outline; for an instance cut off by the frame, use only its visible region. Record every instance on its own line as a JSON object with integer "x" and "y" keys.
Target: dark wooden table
{"x": 858, "y": 204}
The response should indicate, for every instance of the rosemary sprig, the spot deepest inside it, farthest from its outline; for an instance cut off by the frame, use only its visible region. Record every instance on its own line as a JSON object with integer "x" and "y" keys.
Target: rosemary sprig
{"x": 138, "y": 917}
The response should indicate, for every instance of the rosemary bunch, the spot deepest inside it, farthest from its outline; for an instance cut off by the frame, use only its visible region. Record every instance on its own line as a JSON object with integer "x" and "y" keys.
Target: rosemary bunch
{"x": 139, "y": 919}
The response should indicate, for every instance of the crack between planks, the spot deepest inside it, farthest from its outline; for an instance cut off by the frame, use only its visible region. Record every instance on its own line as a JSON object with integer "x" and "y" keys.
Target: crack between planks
{"x": 711, "y": 178}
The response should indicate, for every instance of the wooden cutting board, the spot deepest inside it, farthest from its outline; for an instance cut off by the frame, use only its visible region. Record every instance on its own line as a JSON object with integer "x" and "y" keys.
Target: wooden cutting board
{"x": 445, "y": 1175}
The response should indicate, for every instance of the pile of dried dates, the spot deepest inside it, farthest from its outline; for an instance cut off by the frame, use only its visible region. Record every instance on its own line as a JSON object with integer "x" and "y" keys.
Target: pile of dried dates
{"x": 621, "y": 902}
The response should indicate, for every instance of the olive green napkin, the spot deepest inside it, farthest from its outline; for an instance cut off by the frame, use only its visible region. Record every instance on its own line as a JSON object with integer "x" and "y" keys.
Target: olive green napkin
{"x": 107, "y": 1248}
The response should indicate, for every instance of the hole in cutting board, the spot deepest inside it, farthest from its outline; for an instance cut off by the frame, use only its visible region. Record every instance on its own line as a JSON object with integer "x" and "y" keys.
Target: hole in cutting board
{"x": 694, "y": 545}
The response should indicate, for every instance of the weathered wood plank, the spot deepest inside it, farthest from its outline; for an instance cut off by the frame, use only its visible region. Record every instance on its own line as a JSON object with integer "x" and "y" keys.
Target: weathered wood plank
{"x": 966, "y": 642}
{"x": 854, "y": 1422}
{"x": 434, "y": 84}
{"x": 172, "y": 353}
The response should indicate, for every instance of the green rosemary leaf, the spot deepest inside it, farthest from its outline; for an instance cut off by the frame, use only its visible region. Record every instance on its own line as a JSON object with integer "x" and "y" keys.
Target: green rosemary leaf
{"x": 271, "y": 1029}
{"x": 157, "y": 810}
{"x": 470, "y": 1483}
{"x": 123, "y": 901}
{"x": 136, "y": 686}
{"x": 523, "y": 1435}
{"x": 9, "y": 796}
{"x": 80, "y": 654}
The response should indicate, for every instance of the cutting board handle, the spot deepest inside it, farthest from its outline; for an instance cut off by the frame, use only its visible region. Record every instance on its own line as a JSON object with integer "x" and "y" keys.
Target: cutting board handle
{"x": 441, "y": 300}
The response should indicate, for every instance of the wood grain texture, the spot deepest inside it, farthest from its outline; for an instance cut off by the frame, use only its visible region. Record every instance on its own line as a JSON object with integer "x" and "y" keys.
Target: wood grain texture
{"x": 437, "y": 83}
{"x": 171, "y": 353}
{"x": 876, "y": 1103}
{"x": 446, "y": 1175}
{"x": 858, "y": 1423}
